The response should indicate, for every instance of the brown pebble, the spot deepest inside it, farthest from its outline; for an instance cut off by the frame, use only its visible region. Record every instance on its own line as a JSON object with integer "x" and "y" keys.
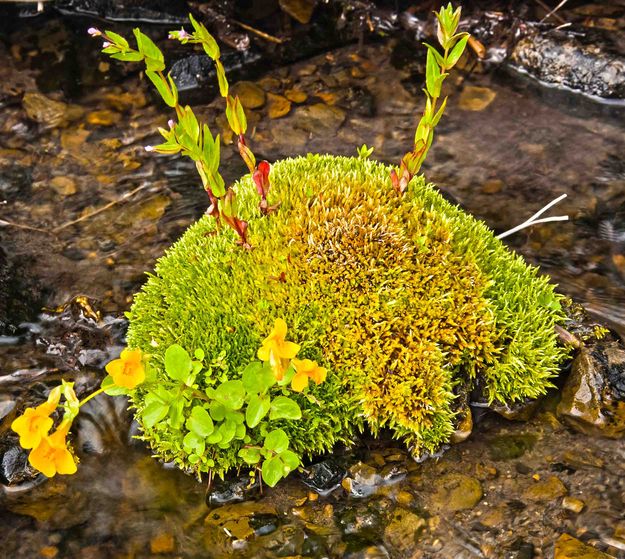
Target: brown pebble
{"x": 49, "y": 551}
{"x": 163, "y": 543}
{"x": 296, "y": 95}
{"x": 277, "y": 106}
{"x": 573, "y": 504}
{"x": 492, "y": 186}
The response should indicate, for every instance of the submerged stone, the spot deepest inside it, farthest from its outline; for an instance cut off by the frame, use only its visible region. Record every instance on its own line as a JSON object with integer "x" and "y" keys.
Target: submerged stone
{"x": 568, "y": 547}
{"x": 455, "y": 492}
{"x": 593, "y": 397}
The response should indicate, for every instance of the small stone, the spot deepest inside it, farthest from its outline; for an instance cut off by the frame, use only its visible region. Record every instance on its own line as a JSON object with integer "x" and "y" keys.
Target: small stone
{"x": 492, "y": 186}
{"x": 319, "y": 119}
{"x": 568, "y": 547}
{"x": 546, "y": 490}
{"x": 475, "y": 98}
{"x": 163, "y": 543}
{"x": 324, "y": 477}
{"x": 404, "y": 530}
{"x": 494, "y": 517}
{"x": 296, "y": 95}
{"x": 456, "y": 492}
{"x": 573, "y": 504}
{"x": 307, "y": 70}
{"x": 278, "y": 106}
{"x": 63, "y": 186}
{"x": 251, "y": 95}
{"x": 464, "y": 427}
{"x": 44, "y": 110}
{"x": 357, "y": 72}
{"x": 49, "y": 551}
{"x": 103, "y": 118}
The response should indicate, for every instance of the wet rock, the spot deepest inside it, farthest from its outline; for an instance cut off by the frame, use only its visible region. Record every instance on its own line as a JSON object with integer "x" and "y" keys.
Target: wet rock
{"x": 475, "y": 98}
{"x": 585, "y": 61}
{"x": 296, "y": 95}
{"x": 517, "y": 411}
{"x": 278, "y": 106}
{"x": 365, "y": 521}
{"x": 319, "y": 119}
{"x": 464, "y": 427}
{"x": 230, "y": 491}
{"x": 361, "y": 480}
{"x": 547, "y": 490}
{"x": 237, "y": 520}
{"x": 403, "y": 531}
{"x": 324, "y": 477}
{"x": 15, "y": 181}
{"x": 568, "y": 547}
{"x": 573, "y": 504}
{"x": 520, "y": 549}
{"x": 508, "y": 447}
{"x": 251, "y": 96}
{"x": 162, "y": 543}
{"x": 456, "y": 492}
{"x": 14, "y": 467}
{"x": 157, "y": 11}
{"x": 593, "y": 397}
{"x": 64, "y": 186}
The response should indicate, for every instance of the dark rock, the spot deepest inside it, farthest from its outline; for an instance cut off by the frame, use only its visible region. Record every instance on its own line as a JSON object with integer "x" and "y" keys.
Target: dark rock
{"x": 518, "y": 411}
{"x": 156, "y": 11}
{"x": 14, "y": 467}
{"x": 588, "y": 62}
{"x": 324, "y": 477}
{"x": 520, "y": 550}
{"x": 15, "y": 182}
{"x": 508, "y": 447}
{"x": 593, "y": 397}
{"x": 229, "y": 491}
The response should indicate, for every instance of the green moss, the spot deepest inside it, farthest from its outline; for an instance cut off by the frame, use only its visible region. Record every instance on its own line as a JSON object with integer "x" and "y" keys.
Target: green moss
{"x": 404, "y": 299}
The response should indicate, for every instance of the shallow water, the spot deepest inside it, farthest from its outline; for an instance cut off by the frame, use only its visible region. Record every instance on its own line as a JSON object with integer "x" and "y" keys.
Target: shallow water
{"x": 88, "y": 211}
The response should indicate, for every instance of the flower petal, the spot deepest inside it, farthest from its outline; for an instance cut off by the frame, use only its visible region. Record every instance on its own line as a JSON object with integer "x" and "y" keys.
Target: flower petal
{"x": 299, "y": 382}
{"x": 65, "y": 462}
{"x": 289, "y": 350}
{"x": 279, "y": 329}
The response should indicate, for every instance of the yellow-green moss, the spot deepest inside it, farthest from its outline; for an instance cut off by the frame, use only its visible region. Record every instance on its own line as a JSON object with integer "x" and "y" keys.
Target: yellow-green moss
{"x": 403, "y": 299}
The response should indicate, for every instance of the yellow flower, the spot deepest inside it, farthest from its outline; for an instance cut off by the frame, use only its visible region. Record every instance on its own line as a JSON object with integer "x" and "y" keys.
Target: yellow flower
{"x": 128, "y": 371}
{"x": 306, "y": 369}
{"x": 51, "y": 456}
{"x": 35, "y": 423}
{"x": 276, "y": 349}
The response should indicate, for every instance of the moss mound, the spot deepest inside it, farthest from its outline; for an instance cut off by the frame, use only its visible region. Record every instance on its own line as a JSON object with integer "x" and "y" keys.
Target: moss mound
{"x": 406, "y": 301}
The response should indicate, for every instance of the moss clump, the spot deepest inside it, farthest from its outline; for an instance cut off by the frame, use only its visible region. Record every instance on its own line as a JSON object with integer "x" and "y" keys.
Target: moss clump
{"x": 405, "y": 300}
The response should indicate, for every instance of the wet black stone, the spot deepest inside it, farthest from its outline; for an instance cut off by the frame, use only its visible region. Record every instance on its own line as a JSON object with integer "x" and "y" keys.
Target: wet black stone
{"x": 14, "y": 467}
{"x": 15, "y": 182}
{"x": 235, "y": 490}
{"x": 264, "y": 524}
{"x": 360, "y": 101}
{"x": 158, "y": 11}
{"x": 559, "y": 467}
{"x": 325, "y": 476}
{"x": 523, "y": 469}
{"x": 586, "y": 60}
{"x": 520, "y": 550}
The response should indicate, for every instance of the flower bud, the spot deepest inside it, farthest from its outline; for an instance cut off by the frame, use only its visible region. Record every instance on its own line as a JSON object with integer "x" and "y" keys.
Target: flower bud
{"x": 94, "y": 32}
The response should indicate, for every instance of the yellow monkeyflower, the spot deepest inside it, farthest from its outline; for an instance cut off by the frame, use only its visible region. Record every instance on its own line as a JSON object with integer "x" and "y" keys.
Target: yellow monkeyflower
{"x": 128, "y": 371}
{"x": 277, "y": 350}
{"x": 35, "y": 423}
{"x": 306, "y": 369}
{"x": 51, "y": 456}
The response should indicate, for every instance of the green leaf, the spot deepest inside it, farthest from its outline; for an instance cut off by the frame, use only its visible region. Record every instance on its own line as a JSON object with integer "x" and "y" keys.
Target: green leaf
{"x": 277, "y": 440}
{"x": 154, "y": 60}
{"x": 439, "y": 113}
{"x": 190, "y": 124}
{"x": 437, "y": 55}
{"x": 432, "y": 73}
{"x": 117, "y": 39}
{"x": 221, "y": 78}
{"x": 176, "y": 417}
{"x": 235, "y": 416}
{"x": 200, "y": 422}
{"x": 227, "y": 430}
{"x": 131, "y": 56}
{"x": 290, "y": 459}
{"x": 193, "y": 458}
{"x": 250, "y": 455}
{"x": 456, "y": 52}
{"x": 214, "y": 438}
{"x": 177, "y": 363}
{"x": 257, "y": 408}
{"x": 193, "y": 442}
{"x": 153, "y": 413}
{"x": 241, "y": 432}
{"x": 199, "y": 354}
{"x": 231, "y": 394}
{"x": 163, "y": 89}
{"x": 258, "y": 377}
{"x": 217, "y": 411}
{"x": 283, "y": 407}
{"x": 209, "y": 44}
{"x": 111, "y": 389}
{"x": 272, "y": 471}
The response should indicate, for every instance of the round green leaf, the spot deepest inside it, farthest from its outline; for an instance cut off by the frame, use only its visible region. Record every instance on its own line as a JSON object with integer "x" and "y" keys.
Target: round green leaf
{"x": 200, "y": 422}
{"x": 257, "y": 408}
{"x": 272, "y": 471}
{"x": 227, "y": 429}
{"x": 153, "y": 413}
{"x": 231, "y": 394}
{"x": 177, "y": 363}
{"x": 217, "y": 411}
{"x": 284, "y": 408}
{"x": 257, "y": 378}
{"x": 290, "y": 459}
{"x": 277, "y": 440}
{"x": 250, "y": 455}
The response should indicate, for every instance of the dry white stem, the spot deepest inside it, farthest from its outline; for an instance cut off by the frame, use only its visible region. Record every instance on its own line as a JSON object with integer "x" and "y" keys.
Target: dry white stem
{"x": 534, "y": 219}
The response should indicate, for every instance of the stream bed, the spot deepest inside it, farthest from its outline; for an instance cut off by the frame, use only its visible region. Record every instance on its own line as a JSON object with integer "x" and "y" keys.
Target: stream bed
{"x": 86, "y": 211}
